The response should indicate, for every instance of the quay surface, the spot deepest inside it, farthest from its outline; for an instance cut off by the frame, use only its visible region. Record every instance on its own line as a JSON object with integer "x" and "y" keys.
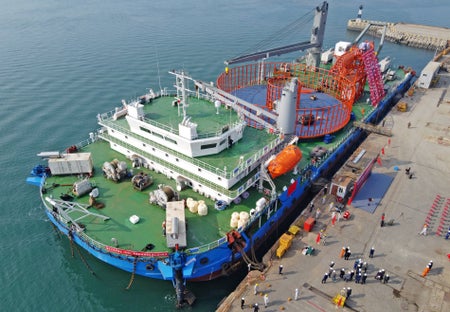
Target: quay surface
{"x": 399, "y": 249}
{"x": 414, "y": 35}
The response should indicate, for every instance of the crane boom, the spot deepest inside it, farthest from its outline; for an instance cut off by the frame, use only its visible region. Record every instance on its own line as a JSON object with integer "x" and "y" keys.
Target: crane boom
{"x": 314, "y": 45}
{"x": 363, "y": 32}
{"x": 272, "y": 52}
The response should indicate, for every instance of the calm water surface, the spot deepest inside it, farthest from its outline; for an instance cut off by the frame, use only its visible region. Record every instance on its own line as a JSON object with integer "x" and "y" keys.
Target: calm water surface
{"x": 62, "y": 62}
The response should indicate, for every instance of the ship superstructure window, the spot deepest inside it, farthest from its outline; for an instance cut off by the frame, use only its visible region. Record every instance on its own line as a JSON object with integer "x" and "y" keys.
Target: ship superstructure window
{"x": 208, "y": 146}
{"x": 159, "y": 135}
{"x": 171, "y": 141}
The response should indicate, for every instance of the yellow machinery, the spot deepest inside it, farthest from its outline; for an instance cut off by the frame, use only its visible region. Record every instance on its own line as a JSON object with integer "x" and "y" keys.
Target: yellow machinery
{"x": 339, "y": 300}
{"x": 293, "y": 229}
{"x": 402, "y": 106}
{"x": 285, "y": 242}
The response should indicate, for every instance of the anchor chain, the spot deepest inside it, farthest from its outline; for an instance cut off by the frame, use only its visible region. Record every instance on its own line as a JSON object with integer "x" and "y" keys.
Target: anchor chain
{"x": 132, "y": 273}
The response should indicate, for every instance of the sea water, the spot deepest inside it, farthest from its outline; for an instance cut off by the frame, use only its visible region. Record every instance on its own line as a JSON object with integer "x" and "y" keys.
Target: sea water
{"x": 63, "y": 62}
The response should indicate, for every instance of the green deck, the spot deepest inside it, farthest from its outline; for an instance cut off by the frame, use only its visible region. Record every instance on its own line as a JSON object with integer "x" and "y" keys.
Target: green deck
{"x": 122, "y": 200}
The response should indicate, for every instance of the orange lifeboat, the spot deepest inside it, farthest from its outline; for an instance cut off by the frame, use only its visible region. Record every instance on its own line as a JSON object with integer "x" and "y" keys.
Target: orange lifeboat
{"x": 285, "y": 161}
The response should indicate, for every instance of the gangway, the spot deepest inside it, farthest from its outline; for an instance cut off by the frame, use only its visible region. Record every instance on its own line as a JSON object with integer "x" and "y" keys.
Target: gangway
{"x": 251, "y": 111}
{"x": 372, "y": 128}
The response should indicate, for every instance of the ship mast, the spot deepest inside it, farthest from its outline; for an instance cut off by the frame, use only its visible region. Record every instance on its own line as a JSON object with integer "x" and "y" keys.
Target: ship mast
{"x": 181, "y": 86}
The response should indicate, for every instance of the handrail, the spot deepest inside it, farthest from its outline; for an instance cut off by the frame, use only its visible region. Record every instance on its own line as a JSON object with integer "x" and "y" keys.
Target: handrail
{"x": 199, "y": 163}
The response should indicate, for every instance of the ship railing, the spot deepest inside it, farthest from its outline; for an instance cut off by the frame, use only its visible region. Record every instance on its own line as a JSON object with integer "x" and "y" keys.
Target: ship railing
{"x": 66, "y": 223}
{"x": 169, "y": 165}
{"x": 108, "y": 117}
{"x": 223, "y": 240}
{"x": 89, "y": 140}
{"x": 196, "y": 162}
{"x": 103, "y": 247}
{"x": 313, "y": 77}
{"x": 206, "y": 247}
{"x": 218, "y": 171}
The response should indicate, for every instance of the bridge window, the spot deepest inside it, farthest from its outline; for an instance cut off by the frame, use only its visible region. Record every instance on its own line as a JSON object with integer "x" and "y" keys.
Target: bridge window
{"x": 208, "y": 146}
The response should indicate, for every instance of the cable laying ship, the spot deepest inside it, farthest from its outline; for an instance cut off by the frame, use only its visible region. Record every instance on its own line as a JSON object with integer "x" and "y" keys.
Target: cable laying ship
{"x": 186, "y": 185}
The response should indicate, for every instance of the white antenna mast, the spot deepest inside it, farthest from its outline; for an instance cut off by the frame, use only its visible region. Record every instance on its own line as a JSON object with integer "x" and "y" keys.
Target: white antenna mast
{"x": 157, "y": 67}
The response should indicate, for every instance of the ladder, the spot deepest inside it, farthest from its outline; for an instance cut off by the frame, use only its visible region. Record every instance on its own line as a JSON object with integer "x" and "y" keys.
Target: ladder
{"x": 374, "y": 78}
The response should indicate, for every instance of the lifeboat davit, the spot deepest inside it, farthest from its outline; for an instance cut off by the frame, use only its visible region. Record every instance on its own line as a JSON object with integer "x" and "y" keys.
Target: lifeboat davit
{"x": 285, "y": 161}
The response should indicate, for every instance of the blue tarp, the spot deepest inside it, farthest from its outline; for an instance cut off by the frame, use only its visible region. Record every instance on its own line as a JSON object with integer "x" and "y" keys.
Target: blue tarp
{"x": 375, "y": 188}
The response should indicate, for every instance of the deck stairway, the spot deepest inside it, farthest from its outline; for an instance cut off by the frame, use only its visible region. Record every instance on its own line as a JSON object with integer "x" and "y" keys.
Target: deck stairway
{"x": 373, "y": 76}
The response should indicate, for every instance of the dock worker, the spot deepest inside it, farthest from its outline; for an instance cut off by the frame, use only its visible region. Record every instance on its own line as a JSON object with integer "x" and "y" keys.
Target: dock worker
{"x": 363, "y": 279}
{"x": 371, "y": 252}
{"x": 266, "y": 300}
{"x": 343, "y": 250}
{"x": 424, "y": 230}
{"x": 164, "y": 228}
{"x": 324, "y": 278}
{"x": 311, "y": 207}
{"x": 349, "y": 292}
{"x": 341, "y": 273}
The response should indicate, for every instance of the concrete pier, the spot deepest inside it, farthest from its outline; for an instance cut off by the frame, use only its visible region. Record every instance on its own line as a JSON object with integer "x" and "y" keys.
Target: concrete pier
{"x": 420, "y": 141}
{"x": 414, "y": 35}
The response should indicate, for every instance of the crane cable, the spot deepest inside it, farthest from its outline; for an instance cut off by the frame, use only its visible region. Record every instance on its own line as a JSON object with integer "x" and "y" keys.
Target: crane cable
{"x": 283, "y": 33}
